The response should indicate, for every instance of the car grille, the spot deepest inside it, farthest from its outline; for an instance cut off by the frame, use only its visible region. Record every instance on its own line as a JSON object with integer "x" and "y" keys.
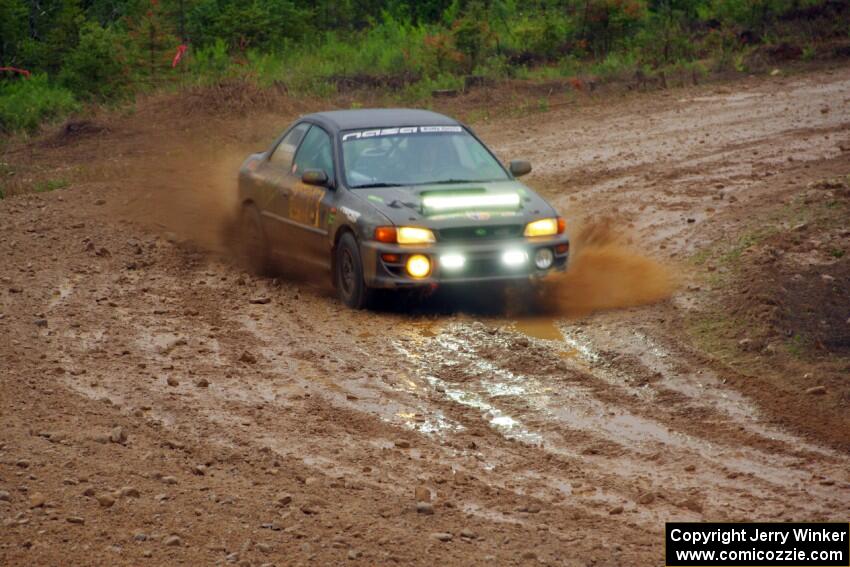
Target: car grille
{"x": 479, "y": 233}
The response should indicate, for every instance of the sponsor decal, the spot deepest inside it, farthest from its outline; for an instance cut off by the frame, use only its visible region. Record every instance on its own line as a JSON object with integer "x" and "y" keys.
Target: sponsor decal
{"x": 478, "y": 216}
{"x": 350, "y": 214}
{"x": 404, "y": 131}
{"x": 305, "y": 204}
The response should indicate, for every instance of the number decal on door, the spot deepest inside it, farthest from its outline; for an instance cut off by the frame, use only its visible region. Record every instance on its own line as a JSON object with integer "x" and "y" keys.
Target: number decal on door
{"x": 305, "y": 204}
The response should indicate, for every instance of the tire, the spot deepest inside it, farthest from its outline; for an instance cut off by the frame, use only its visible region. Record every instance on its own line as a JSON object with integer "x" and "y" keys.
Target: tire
{"x": 254, "y": 246}
{"x": 348, "y": 274}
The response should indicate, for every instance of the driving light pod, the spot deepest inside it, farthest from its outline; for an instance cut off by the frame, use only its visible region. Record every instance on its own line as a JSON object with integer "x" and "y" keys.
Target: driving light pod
{"x": 418, "y": 266}
{"x": 543, "y": 259}
{"x": 545, "y": 227}
{"x": 452, "y": 261}
{"x": 471, "y": 201}
{"x": 514, "y": 258}
{"x": 414, "y": 235}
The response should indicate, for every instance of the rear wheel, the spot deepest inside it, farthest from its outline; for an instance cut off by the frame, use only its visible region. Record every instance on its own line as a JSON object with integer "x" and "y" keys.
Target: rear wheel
{"x": 348, "y": 274}
{"x": 254, "y": 246}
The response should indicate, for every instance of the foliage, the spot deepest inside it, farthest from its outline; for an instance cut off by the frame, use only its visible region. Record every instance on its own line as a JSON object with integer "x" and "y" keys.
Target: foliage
{"x": 262, "y": 24}
{"x": 50, "y": 185}
{"x": 97, "y": 68}
{"x": 26, "y": 103}
{"x": 106, "y": 49}
{"x": 547, "y": 35}
{"x": 473, "y": 37}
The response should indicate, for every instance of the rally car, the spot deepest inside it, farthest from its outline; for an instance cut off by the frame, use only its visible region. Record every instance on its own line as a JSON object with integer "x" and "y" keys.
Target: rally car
{"x": 394, "y": 198}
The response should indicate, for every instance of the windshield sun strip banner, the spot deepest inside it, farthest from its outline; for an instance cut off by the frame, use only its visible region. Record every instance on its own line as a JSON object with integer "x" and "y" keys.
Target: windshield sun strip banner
{"x": 401, "y": 131}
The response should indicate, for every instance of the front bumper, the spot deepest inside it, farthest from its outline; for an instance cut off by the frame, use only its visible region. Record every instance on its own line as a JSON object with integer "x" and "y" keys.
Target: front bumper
{"x": 483, "y": 261}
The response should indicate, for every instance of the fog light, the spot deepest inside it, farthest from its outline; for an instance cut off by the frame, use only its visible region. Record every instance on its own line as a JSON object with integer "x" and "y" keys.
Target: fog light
{"x": 452, "y": 261}
{"x": 514, "y": 257}
{"x": 418, "y": 266}
{"x": 543, "y": 259}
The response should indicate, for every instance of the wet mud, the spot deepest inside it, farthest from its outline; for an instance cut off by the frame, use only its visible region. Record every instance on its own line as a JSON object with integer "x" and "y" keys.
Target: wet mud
{"x": 148, "y": 394}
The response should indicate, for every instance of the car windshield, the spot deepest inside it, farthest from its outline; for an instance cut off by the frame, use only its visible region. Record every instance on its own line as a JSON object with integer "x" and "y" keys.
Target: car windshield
{"x": 416, "y": 155}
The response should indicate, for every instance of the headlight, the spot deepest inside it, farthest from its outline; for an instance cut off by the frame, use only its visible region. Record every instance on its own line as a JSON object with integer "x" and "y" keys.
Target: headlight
{"x": 414, "y": 235}
{"x": 545, "y": 227}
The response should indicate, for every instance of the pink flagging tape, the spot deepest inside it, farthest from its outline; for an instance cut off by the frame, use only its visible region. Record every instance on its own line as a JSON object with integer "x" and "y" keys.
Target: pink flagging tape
{"x": 181, "y": 50}
{"x": 23, "y": 72}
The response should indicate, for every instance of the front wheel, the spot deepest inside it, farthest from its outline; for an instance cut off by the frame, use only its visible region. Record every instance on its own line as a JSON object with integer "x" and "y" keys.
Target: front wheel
{"x": 348, "y": 274}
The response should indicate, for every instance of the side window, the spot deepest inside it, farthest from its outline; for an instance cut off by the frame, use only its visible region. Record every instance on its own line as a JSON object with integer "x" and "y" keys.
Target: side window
{"x": 314, "y": 153}
{"x": 282, "y": 155}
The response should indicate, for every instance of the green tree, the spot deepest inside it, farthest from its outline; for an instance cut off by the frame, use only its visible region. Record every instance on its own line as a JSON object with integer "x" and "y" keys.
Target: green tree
{"x": 52, "y": 30}
{"x": 668, "y": 35}
{"x": 261, "y": 24}
{"x": 13, "y": 30}
{"x": 99, "y": 66}
{"x": 473, "y": 36}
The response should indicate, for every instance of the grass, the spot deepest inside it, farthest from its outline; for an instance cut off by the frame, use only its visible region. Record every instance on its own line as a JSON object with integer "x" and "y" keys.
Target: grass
{"x": 7, "y": 188}
{"x": 714, "y": 329}
{"x": 797, "y": 346}
{"x": 701, "y": 257}
{"x": 711, "y": 331}
{"x": 26, "y": 104}
{"x": 6, "y": 172}
{"x": 478, "y": 115}
{"x": 733, "y": 254}
{"x": 50, "y": 185}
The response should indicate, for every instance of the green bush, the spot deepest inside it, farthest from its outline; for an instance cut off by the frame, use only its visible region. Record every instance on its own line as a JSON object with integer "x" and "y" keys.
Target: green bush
{"x": 26, "y": 103}
{"x": 104, "y": 49}
{"x": 270, "y": 25}
{"x": 211, "y": 63}
{"x": 473, "y": 38}
{"x": 99, "y": 67}
{"x": 545, "y": 36}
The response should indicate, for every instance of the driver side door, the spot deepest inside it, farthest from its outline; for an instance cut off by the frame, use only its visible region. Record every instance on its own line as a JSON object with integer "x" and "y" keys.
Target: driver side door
{"x": 275, "y": 178}
{"x": 310, "y": 205}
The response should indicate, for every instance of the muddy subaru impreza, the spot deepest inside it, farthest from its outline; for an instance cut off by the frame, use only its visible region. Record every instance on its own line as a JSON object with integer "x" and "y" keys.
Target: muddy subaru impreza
{"x": 394, "y": 198}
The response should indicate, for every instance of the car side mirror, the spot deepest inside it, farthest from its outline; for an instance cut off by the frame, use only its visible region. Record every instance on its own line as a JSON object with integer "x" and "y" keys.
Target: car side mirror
{"x": 520, "y": 167}
{"x": 315, "y": 177}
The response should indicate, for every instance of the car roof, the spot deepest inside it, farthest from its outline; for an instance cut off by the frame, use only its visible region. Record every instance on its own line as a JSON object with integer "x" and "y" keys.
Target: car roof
{"x": 379, "y": 118}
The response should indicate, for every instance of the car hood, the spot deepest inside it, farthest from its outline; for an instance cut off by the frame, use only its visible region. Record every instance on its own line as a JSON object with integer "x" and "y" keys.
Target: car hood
{"x": 442, "y": 206}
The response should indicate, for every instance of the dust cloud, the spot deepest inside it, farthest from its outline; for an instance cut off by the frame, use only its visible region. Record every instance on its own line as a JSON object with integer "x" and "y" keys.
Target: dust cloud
{"x": 606, "y": 271}
{"x": 189, "y": 192}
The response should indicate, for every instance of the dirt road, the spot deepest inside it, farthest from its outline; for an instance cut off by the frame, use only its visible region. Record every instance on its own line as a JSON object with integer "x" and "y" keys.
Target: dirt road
{"x": 161, "y": 406}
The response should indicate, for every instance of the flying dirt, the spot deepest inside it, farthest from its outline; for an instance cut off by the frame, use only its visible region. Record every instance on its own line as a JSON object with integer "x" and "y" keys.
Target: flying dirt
{"x": 606, "y": 272}
{"x": 161, "y": 405}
